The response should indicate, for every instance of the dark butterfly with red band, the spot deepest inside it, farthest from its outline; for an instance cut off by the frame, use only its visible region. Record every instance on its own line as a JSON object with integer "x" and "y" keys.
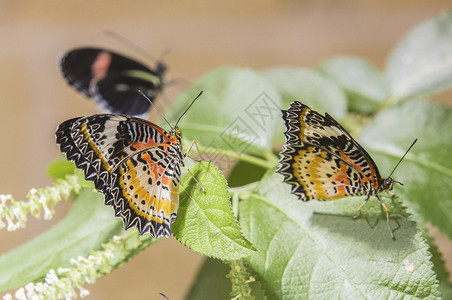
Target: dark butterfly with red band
{"x": 113, "y": 80}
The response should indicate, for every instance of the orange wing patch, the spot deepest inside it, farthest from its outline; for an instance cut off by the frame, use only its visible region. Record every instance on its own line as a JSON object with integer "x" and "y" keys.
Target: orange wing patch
{"x": 313, "y": 173}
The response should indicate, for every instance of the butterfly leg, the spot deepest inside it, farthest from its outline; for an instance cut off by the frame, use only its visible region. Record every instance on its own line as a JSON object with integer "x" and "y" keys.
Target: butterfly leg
{"x": 387, "y": 216}
{"x": 200, "y": 185}
{"x": 186, "y": 153}
{"x": 195, "y": 144}
{"x": 361, "y": 206}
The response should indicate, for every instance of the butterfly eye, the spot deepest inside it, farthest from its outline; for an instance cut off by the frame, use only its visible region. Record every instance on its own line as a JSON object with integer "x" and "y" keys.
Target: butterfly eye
{"x": 387, "y": 183}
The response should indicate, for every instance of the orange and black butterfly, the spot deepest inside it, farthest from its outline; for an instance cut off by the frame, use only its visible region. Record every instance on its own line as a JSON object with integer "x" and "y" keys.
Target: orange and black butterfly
{"x": 136, "y": 164}
{"x": 322, "y": 160}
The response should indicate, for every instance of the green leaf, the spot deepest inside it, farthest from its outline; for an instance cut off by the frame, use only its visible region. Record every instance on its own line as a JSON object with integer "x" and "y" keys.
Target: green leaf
{"x": 426, "y": 171}
{"x": 238, "y": 111}
{"x": 59, "y": 168}
{"x": 244, "y": 173}
{"x": 445, "y": 286}
{"x": 422, "y": 61}
{"x": 205, "y": 222}
{"x": 316, "y": 250}
{"x": 62, "y": 167}
{"x": 309, "y": 87}
{"x": 365, "y": 86}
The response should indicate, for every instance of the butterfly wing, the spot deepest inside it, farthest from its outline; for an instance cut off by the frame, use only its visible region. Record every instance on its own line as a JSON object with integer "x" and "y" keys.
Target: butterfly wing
{"x": 134, "y": 163}
{"x": 91, "y": 143}
{"x": 144, "y": 191}
{"x": 308, "y": 129}
{"x": 117, "y": 87}
{"x": 108, "y": 77}
{"x": 315, "y": 173}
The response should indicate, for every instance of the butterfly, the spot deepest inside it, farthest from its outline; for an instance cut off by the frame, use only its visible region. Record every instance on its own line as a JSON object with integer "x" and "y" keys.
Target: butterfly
{"x": 136, "y": 164}
{"x": 322, "y": 160}
{"x": 112, "y": 80}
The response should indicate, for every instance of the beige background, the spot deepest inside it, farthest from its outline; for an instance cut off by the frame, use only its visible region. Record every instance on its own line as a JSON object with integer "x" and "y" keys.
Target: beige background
{"x": 202, "y": 35}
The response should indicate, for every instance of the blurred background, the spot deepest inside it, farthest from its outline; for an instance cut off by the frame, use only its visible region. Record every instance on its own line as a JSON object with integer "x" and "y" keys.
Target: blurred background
{"x": 201, "y": 35}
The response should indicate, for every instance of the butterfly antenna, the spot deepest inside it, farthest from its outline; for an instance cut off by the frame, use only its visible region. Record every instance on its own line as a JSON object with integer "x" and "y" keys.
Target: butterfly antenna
{"x": 164, "y": 53}
{"x": 403, "y": 157}
{"x": 188, "y": 108}
{"x": 163, "y": 295}
{"x": 153, "y": 105}
{"x": 130, "y": 44}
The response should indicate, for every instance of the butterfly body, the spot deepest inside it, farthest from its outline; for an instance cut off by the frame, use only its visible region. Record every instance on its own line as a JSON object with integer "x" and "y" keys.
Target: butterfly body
{"x": 133, "y": 162}
{"x": 112, "y": 80}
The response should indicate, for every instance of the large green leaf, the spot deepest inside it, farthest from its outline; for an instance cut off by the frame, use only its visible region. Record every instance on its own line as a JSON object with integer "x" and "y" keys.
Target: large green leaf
{"x": 365, "y": 86}
{"x": 237, "y": 111}
{"x": 445, "y": 286}
{"x": 310, "y": 88}
{"x": 206, "y": 222}
{"x": 312, "y": 250}
{"x": 427, "y": 170}
{"x": 89, "y": 224}
{"x": 422, "y": 61}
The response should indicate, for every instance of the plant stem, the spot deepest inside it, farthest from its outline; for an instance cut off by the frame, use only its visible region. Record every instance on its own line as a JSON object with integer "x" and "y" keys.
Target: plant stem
{"x": 266, "y": 163}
